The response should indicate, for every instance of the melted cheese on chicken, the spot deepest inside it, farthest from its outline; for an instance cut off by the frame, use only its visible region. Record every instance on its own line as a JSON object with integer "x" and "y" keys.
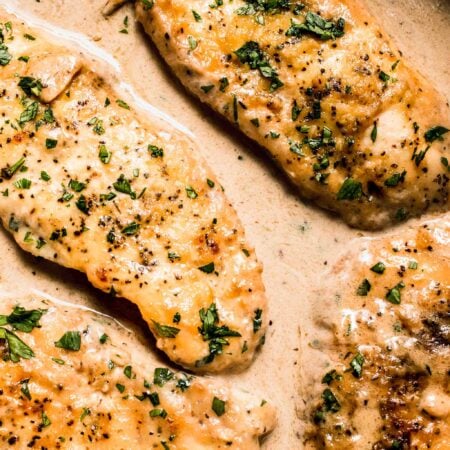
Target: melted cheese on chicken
{"x": 321, "y": 87}
{"x": 387, "y": 385}
{"x": 98, "y": 389}
{"x": 92, "y": 184}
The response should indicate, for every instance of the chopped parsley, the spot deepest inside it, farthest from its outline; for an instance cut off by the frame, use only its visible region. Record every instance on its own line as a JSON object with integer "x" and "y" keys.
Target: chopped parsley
{"x": 158, "y": 412}
{"x": 191, "y": 193}
{"x": 5, "y": 56}
{"x": 216, "y": 4}
{"x": 155, "y": 151}
{"x": 419, "y": 156}
{"x": 82, "y": 204}
{"x": 330, "y": 376}
{"x": 295, "y": 111}
{"x": 296, "y": 148}
{"x": 395, "y": 179}
{"x": 401, "y": 214}
{"x": 70, "y": 340}
{"x": 45, "y": 421}
{"x": 267, "y": 6}
{"x": 383, "y": 76}
{"x": 161, "y": 376}
{"x": 350, "y": 190}
{"x": 394, "y": 295}
{"x": 76, "y": 186}
{"x": 176, "y": 317}
{"x": 58, "y": 234}
{"x": 374, "y": 133}
{"x": 147, "y": 4}
{"x": 165, "y": 331}
{"x": 104, "y": 154}
{"x": 330, "y": 401}
{"x": 48, "y": 116}
{"x": 435, "y": 133}
{"x": 31, "y": 86}
{"x": 207, "y": 88}
{"x": 197, "y": 16}
{"x": 445, "y": 163}
{"x": 131, "y": 229}
{"x": 50, "y": 143}
{"x": 13, "y": 224}
{"x": 214, "y": 334}
{"x": 173, "y": 256}
{"x": 17, "y": 349}
{"x": 257, "y": 320}
{"x": 97, "y": 125}
{"x": 330, "y": 404}
{"x": 207, "y": 268}
{"x": 22, "y": 319}
{"x": 123, "y": 185}
{"x": 24, "y": 388}
{"x": 356, "y": 365}
{"x": 192, "y": 43}
{"x": 86, "y": 412}
{"x": 317, "y": 26}
{"x": 128, "y": 372}
{"x": 364, "y": 288}
{"x": 223, "y": 84}
{"x": 184, "y": 383}
{"x": 255, "y": 122}
{"x": 218, "y": 406}
{"x": 23, "y": 183}
{"x": 122, "y": 104}
{"x": 379, "y": 268}
{"x": 30, "y": 111}
{"x": 251, "y": 54}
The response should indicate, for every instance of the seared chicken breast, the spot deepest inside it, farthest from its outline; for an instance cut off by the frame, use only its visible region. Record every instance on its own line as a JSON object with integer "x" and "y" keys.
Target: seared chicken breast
{"x": 73, "y": 378}
{"x": 386, "y": 384}
{"x": 92, "y": 184}
{"x": 322, "y": 88}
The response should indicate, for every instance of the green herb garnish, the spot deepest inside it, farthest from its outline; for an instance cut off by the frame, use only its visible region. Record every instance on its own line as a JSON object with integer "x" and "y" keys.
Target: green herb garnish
{"x": 70, "y": 340}
{"x": 165, "y": 331}
{"x": 350, "y": 190}
{"x": 161, "y": 376}
{"x": 364, "y": 288}
{"x": 317, "y": 26}
{"x": 356, "y": 365}
{"x": 213, "y": 333}
{"x": 251, "y": 54}
{"x": 218, "y": 406}
{"x": 435, "y": 133}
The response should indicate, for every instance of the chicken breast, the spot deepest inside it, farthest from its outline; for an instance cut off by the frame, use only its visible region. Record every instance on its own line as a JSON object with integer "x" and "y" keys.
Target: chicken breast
{"x": 73, "y": 378}
{"x": 387, "y": 311}
{"x": 322, "y": 88}
{"x": 92, "y": 184}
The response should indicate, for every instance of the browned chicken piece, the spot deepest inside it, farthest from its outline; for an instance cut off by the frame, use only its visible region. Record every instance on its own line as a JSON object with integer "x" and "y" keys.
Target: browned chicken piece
{"x": 322, "y": 88}
{"x": 386, "y": 384}
{"x": 75, "y": 379}
{"x": 94, "y": 185}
